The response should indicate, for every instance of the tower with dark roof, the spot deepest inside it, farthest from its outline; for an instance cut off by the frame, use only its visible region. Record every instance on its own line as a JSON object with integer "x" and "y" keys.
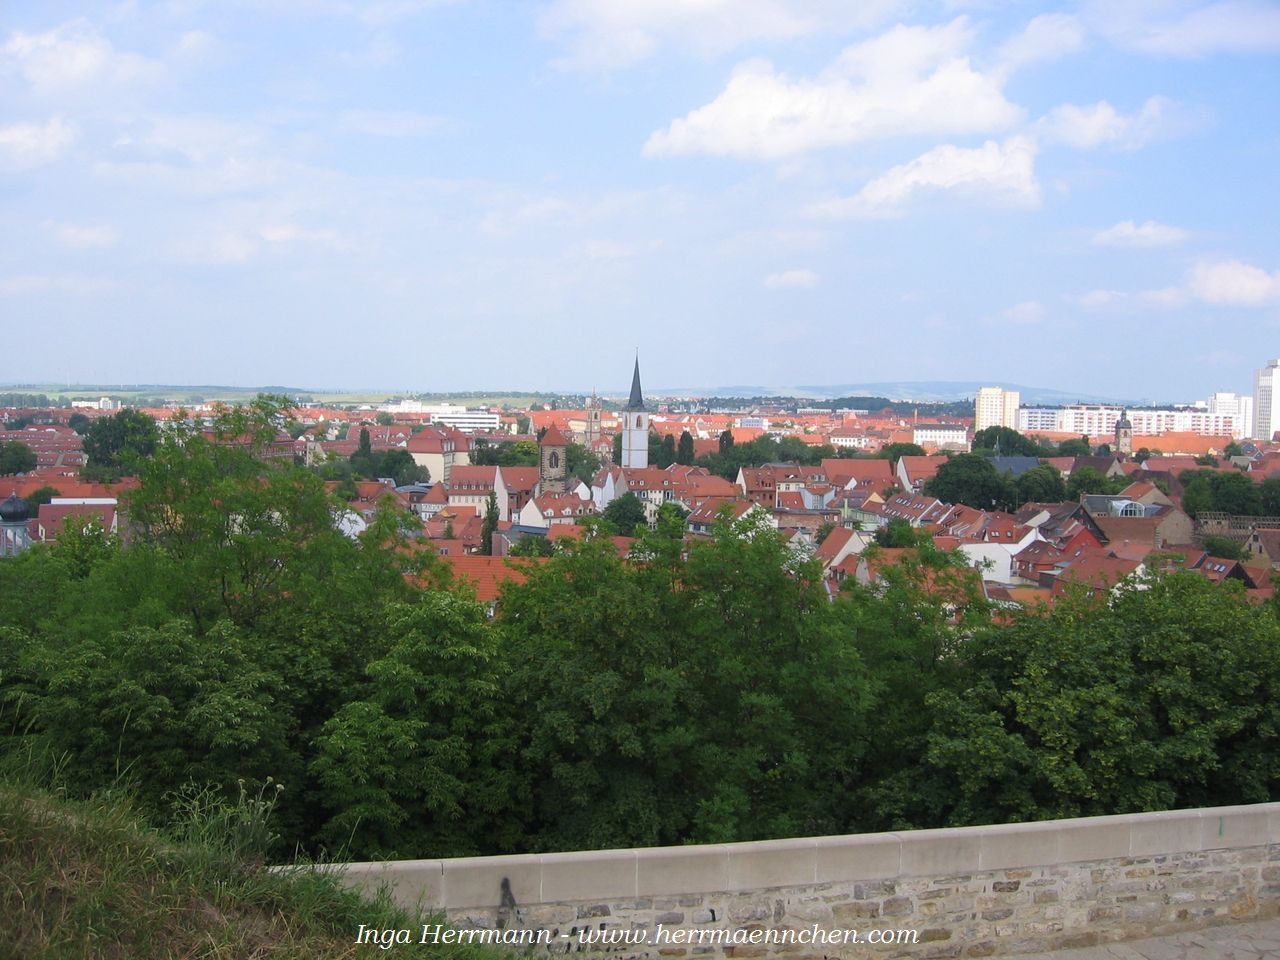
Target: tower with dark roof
{"x": 635, "y": 425}
{"x": 14, "y": 537}
{"x": 552, "y": 470}
{"x": 1124, "y": 435}
{"x": 591, "y": 435}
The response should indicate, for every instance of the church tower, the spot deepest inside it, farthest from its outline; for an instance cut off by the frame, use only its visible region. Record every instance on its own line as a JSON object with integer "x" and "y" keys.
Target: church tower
{"x": 1124, "y": 435}
{"x": 635, "y": 426}
{"x": 592, "y": 434}
{"x": 551, "y": 461}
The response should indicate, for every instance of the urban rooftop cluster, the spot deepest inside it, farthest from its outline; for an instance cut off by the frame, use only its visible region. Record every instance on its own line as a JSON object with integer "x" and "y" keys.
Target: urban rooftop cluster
{"x": 1034, "y": 497}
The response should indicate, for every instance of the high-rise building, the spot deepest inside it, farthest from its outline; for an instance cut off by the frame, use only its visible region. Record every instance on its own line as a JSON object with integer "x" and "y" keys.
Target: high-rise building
{"x": 1266, "y": 401}
{"x": 635, "y": 426}
{"x": 995, "y": 407}
{"x": 1236, "y": 406}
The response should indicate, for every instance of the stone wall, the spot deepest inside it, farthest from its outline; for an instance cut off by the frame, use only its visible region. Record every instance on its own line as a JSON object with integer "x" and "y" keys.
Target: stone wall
{"x": 964, "y": 892}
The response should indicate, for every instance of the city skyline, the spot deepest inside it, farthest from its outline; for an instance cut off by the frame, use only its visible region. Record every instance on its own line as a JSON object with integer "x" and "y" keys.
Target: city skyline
{"x": 435, "y": 194}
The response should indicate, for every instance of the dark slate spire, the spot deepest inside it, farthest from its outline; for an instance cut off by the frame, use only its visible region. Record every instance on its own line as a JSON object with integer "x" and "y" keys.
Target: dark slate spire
{"x": 636, "y": 401}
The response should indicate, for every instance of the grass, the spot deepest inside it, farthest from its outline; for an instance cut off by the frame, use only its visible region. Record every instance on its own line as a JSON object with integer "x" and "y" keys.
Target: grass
{"x": 91, "y": 879}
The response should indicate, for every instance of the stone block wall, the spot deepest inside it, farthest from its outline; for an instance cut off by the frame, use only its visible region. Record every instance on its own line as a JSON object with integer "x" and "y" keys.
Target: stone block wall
{"x": 963, "y": 892}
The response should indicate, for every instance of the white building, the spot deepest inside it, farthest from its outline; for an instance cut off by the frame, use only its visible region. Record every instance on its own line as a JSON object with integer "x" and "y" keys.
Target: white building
{"x": 1037, "y": 420}
{"x": 995, "y": 407}
{"x": 635, "y": 426}
{"x": 468, "y": 421}
{"x": 1236, "y": 406}
{"x": 1099, "y": 420}
{"x": 448, "y": 414}
{"x": 1266, "y": 401}
{"x": 941, "y": 436}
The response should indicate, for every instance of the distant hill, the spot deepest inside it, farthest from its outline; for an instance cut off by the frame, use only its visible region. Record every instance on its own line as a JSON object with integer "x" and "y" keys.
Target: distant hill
{"x": 926, "y": 391}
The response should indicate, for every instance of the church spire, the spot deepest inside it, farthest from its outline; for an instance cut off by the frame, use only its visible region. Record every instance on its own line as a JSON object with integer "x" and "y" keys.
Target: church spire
{"x": 636, "y": 401}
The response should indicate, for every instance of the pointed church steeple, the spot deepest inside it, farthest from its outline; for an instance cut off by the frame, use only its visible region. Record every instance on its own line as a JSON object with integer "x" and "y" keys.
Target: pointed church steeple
{"x": 636, "y": 401}
{"x": 635, "y": 425}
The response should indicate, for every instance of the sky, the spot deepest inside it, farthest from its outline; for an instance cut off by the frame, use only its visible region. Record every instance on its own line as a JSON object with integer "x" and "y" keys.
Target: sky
{"x": 436, "y": 195}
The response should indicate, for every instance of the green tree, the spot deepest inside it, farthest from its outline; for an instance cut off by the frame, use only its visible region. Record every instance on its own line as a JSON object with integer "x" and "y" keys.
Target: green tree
{"x": 617, "y": 448}
{"x": 1224, "y": 547}
{"x": 1042, "y": 484}
{"x": 1233, "y": 449}
{"x": 726, "y": 441}
{"x": 898, "y": 533}
{"x": 1235, "y": 493}
{"x": 1089, "y": 480}
{"x": 1075, "y": 448}
{"x": 972, "y": 480}
{"x": 1269, "y": 496}
{"x": 1157, "y": 698}
{"x": 532, "y": 545}
{"x": 909, "y": 631}
{"x": 666, "y": 452}
{"x": 16, "y": 457}
{"x": 684, "y": 450}
{"x": 1012, "y": 443}
{"x": 385, "y": 419}
{"x": 683, "y": 699}
{"x": 37, "y": 498}
{"x": 79, "y": 423}
{"x": 490, "y": 526}
{"x": 157, "y": 707}
{"x": 581, "y": 462}
{"x": 625, "y": 513}
{"x": 896, "y": 451}
{"x": 421, "y": 762}
{"x": 1197, "y": 494}
{"x": 119, "y": 444}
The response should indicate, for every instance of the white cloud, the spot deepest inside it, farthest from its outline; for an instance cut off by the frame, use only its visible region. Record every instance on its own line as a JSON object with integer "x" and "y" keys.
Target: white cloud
{"x": 1029, "y": 311}
{"x": 910, "y": 81}
{"x": 1004, "y": 171}
{"x": 1188, "y": 28}
{"x": 619, "y": 33}
{"x": 71, "y": 57}
{"x": 25, "y": 145}
{"x": 42, "y": 284}
{"x": 1234, "y": 283}
{"x": 1101, "y": 124}
{"x": 1049, "y": 36}
{"x": 1126, "y": 233}
{"x": 84, "y": 236}
{"x": 791, "y": 280}
{"x": 389, "y": 123}
{"x": 1228, "y": 283}
{"x": 285, "y": 233}
{"x": 1165, "y": 297}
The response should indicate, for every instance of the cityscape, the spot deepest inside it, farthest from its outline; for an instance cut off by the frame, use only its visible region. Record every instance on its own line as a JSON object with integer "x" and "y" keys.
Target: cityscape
{"x": 852, "y": 472}
{"x": 639, "y": 480}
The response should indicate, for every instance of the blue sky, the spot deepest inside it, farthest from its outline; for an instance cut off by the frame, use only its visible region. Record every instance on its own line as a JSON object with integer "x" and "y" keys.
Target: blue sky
{"x": 435, "y": 195}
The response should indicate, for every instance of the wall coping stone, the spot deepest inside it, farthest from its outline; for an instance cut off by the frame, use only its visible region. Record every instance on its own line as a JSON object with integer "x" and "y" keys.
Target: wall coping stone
{"x": 597, "y": 875}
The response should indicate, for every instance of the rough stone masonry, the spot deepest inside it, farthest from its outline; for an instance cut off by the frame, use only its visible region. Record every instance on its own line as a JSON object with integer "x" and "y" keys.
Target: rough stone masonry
{"x": 963, "y": 892}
